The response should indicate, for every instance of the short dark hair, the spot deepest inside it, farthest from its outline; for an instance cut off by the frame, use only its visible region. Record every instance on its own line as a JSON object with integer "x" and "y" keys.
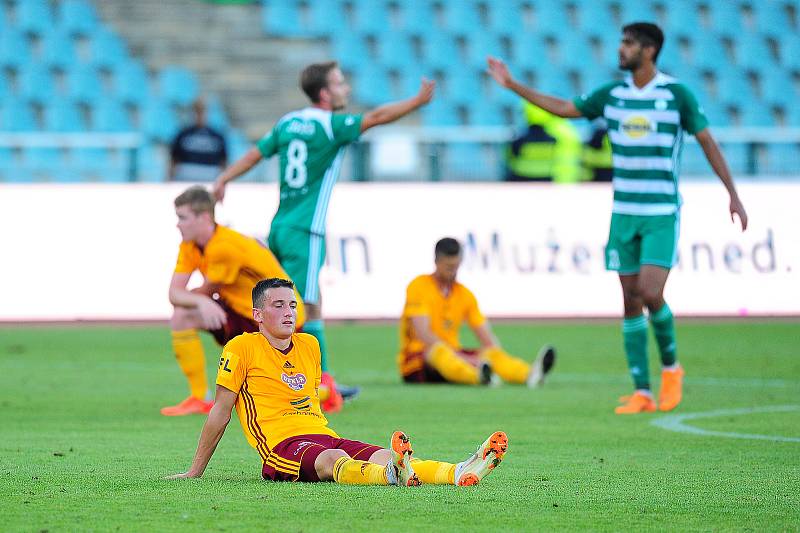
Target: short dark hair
{"x": 447, "y": 247}
{"x": 314, "y": 78}
{"x": 646, "y": 34}
{"x": 260, "y": 290}
{"x": 198, "y": 199}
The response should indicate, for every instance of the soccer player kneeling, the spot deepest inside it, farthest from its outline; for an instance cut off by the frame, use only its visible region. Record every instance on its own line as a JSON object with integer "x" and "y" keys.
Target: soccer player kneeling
{"x": 272, "y": 377}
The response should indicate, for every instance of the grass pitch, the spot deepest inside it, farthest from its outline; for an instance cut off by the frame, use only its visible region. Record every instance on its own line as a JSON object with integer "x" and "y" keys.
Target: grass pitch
{"x": 83, "y": 446}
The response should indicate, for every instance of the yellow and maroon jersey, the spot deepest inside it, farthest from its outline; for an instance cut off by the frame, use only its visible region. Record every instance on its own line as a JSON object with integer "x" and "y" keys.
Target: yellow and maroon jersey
{"x": 446, "y": 314}
{"x": 236, "y": 263}
{"x": 277, "y": 392}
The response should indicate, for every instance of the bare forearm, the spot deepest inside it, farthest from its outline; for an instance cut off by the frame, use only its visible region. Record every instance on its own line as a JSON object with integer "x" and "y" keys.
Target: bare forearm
{"x": 212, "y": 433}
{"x": 186, "y": 298}
{"x": 242, "y": 165}
{"x": 553, "y": 104}
{"x": 393, "y": 111}
{"x": 717, "y": 162}
{"x": 486, "y": 336}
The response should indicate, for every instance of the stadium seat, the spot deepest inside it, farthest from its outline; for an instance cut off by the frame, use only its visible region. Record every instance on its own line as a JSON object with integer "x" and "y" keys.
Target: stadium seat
{"x": 410, "y": 79}
{"x": 372, "y": 17}
{"x": 34, "y": 16}
{"x": 726, "y": 18}
{"x": 58, "y": 50}
{"x": 63, "y": 116}
{"x": 396, "y": 51}
{"x": 109, "y": 115}
{"x": 350, "y": 49}
{"x": 17, "y": 115}
{"x": 638, "y": 11}
{"x": 440, "y": 50}
{"x": 757, "y": 114}
{"x": 326, "y": 19}
{"x": 780, "y": 159}
{"x": 737, "y": 155}
{"x": 151, "y": 163}
{"x": 83, "y": 84}
{"x": 708, "y": 51}
{"x": 530, "y": 52}
{"x": 419, "y": 17}
{"x": 98, "y": 164}
{"x": 486, "y": 113}
{"x": 505, "y": 19}
{"x": 282, "y": 18}
{"x": 36, "y": 83}
{"x": 15, "y": 50}
{"x": 716, "y": 113}
{"x": 5, "y": 90}
{"x": 464, "y": 162}
{"x": 462, "y": 86}
{"x": 575, "y": 52}
{"x": 555, "y": 82}
{"x": 777, "y": 88}
{"x": 550, "y": 19}
{"x": 790, "y": 52}
{"x": 131, "y": 83}
{"x": 753, "y": 53}
{"x": 793, "y": 116}
{"x": 683, "y": 19}
{"x": 158, "y": 120}
{"x": 372, "y": 86}
{"x": 108, "y": 50}
{"x": 178, "y": 85}
{"x": 482, "y": 44}
{"x": 77, "y": 17}
{"x": 734, "y": 88}
{"x": 462, "y": 18}
{"x": 771, "y": 19}
{"x": 42, "y": 162}
{"x": 440, "y": 112}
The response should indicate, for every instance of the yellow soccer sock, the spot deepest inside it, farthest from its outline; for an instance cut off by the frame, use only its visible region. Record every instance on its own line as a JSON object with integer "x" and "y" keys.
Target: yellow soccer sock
{"x": 434, "y": 472}
{"x": 453, "y": 368}
{"x": 354, "y": 472}
{"x": 190, "y": 356}
{"x": 511, "y": 369}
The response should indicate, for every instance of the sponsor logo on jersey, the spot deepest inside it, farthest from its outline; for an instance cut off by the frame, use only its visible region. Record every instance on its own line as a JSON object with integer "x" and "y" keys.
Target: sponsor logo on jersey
{"x": 613, "y": 260}
{"x": 300, "y": 127}
{"x": 637, "y": 126}
{"x": 303, "y": 404}
{"x": 287, "y": 364}
{"x": 301, "y": 445}
{"x": 295, "y": 382}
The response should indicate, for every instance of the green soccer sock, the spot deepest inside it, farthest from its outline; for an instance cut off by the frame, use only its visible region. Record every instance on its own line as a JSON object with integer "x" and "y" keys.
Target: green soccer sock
{"x": 316, "y": 328}
{"x": 634, "y": 332}
{"x": 664, "y": 328}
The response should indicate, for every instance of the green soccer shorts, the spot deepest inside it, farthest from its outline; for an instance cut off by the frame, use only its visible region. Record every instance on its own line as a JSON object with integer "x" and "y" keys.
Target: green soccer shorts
{"x": 301, "y": 254}
{"x": 636, "y": 240}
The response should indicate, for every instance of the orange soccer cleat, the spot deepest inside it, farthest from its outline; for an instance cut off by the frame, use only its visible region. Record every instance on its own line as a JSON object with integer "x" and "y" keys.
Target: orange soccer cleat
{"x": 189, "y": 406}
{"x": 671, "y": 389}
{"x": 398, "y": 470}
{"x": 331, "y": 400}
{"x": 638, "y": 402}
{"x": 481, "y": 463}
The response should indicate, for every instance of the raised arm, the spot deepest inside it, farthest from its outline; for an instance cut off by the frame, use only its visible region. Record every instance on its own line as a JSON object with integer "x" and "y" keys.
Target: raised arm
{"x": 558, "y": 106}
{"x": 717, "y": 162}
{"x": 211, "y": 434}
{"x": 392, "y": 111}
{"x": 245, "y": 163}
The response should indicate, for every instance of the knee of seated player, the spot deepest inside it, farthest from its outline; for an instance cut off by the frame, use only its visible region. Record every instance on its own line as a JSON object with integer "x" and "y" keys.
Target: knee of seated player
{"x": 183, "y": 318}
{"x": 325, "y": 461}
{"x": 380, "y": 457}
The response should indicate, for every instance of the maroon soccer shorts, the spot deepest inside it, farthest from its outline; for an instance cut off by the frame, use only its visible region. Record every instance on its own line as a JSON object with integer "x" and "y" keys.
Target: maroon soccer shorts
{"x": 428, "y": 374}
{"x": 293, "y": 459}
{"x": 234, "y": 326}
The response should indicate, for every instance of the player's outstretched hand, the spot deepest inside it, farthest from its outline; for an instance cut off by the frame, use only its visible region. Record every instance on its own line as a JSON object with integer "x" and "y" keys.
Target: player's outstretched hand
{"x": 737, "y": 208}
{"x": 499, "y": 71}
{"x": 218, "y": 191}
{"x": 425, "y": 93}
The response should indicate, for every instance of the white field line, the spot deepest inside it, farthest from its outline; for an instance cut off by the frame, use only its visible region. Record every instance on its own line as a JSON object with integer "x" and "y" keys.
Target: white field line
{"x": 677, "y": 422}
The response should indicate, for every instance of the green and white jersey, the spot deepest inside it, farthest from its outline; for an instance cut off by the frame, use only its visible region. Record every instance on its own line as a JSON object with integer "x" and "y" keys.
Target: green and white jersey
{"x": 310, "y": 143}
{"x": 645, "y": 127}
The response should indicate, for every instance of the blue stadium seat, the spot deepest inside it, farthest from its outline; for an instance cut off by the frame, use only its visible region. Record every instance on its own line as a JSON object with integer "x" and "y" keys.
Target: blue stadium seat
{"x": 486, "y": 113}
{"x": 753, "y": 52}
{"x": 99, "y": 164}
{"x": 58, "y": 50}
{"x": 440, "y": 50}
{"x": 109, "y": 115}
{"x": 772, "y": 19}
{"x": 793, "y": 116}
{"x": 17, "y": 115}
{"x": 726, "y": 18}
{"x": 483, "y": 44}
{"x": 8, "y": 166}
{"x": 790, "y": 52}
{"x": 78, "y": 17}
{"x": 708, "y": 51}
{"x": 5, "y": 90}
{"x": 63, "y": 116}
{"x": 462, "y": 87}
{"x": 326, "y": 19}
{"x": 530, "y": 51}
{"x": 372, "y": 17}
{"x": 131, "y": 83}
{"x": 158, "y": 120}
{"x": 464, "y": 162}
{"x": 15, "y": 51}
{"x": 36, "y": 83}
{"x": 440, "y": 112}
{"x": 418, "y": 17}
{"x": 505, "y": 19}
{"x": 151, "y": 163}
{"x": 108, "y": 50}
{"x": 555, "y": 82}
{"x": 593, "y": 78}
{"x": 178, "y": 85}
{"x": 777, "y": 88}
{"x": 575, "y": 52}
{"x": 462, "y": 17}
{"x": 42, "y": 162}
{"x": 590, "y": 13}
{"x": 84, "y": 85}
{"x": 350, "y": 49}
{"x": 716, "y": 113}
{"x": 396, "y": 51}
{"x": 372, "y": 86}
{"x": 638, "y": 11}
{"x": 737, "y": 156}
{"x": 780, "y": 159}
{"x": 282, "y": 18}
{"x": 410, "y": 79}
{"x": 551, "y": 18}
{"x": 34, "y": 16}
{"x": 683, "y": 19}
{"x": 755, "y": 113}
{"x": 734, "y": 88}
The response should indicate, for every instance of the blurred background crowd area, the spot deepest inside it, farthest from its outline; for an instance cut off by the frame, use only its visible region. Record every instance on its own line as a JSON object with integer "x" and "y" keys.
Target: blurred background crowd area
{"x": 96, "y": 91}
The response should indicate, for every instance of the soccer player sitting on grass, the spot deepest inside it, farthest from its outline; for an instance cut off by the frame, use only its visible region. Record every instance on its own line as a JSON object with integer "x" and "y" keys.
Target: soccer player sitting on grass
{"x": 231, "y": 264}
{"x": 436, "y": 306}
{"x": 272, "y": 377}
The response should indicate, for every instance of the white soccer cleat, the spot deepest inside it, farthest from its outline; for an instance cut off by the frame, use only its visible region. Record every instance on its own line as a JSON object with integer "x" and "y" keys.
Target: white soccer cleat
{"x": 398, "y": 469}
{"x": 542, "y": 366}
{"x": 483, "y": 461}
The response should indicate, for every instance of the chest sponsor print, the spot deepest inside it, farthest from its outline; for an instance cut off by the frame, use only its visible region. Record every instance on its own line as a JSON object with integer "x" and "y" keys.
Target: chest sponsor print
{"x": 294, "y": 382}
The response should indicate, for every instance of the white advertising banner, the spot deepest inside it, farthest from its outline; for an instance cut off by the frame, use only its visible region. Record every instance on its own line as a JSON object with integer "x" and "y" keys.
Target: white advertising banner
{"x": 106, "y": 252}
